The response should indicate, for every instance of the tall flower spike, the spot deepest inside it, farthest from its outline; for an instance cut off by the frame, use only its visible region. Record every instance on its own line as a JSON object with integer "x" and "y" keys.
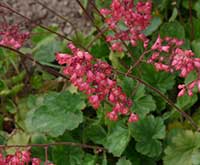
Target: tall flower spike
{"x": 168, "y": 56}
{"x": 92, "y": 77}
{"x": 11, "y": 36}
{"x": 127, "y": 20}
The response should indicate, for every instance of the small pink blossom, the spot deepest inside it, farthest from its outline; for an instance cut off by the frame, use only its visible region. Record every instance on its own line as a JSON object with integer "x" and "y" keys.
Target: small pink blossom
{"x": 133, "y": 118}
{"x": 112, "y": 116}
{"x": 11, "y": 36}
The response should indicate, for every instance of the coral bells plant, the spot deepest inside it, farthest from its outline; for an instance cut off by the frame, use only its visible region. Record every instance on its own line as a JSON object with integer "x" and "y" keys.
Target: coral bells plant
{"x": 10, "y": 35}
{"x": 128, "y": 67}
{"x": 93, "y": 78}
{"x": 127, "y": 20}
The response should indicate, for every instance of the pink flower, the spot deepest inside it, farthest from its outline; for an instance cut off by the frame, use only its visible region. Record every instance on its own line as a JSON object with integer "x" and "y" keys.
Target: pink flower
{"x": 133, "y": 118}
{"x": 11, "y": 36}
{"x": 112, "y": 116}
{"x": 36, "y": 161}
{"x": 135, "y": 19}
{"x": 93, "y": 78}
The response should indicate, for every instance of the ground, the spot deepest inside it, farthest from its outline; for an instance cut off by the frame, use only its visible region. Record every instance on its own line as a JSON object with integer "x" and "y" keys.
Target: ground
{"x": 67, "y": 8}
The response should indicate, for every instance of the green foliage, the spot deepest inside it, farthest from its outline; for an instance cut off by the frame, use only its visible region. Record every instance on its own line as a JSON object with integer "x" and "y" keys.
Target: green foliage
{"x": 148, "y": 132}
{"x": 172, "y": 29}
{"x": 123, "y": 161}
{"x": 117, "y": 140}
{"x": 56, "y": 109}
{"x": 45, "y": 50}
{"x": 95, "y": 133}
{"x": 160, "y": 80}
{"x": 37, "y": 106}
{"x": 100, "y": 49}
{"x": 155, "y": 23}
{"x": 183, "y": 149}
{"x": 143, "y": 102}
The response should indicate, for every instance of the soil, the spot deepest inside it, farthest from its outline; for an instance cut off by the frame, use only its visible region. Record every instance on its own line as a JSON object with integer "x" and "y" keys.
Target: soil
{"x": 69, "y": 9}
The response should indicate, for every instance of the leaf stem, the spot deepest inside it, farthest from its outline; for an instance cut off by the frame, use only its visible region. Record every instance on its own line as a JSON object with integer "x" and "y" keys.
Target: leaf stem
{"x": 56, "y": 144}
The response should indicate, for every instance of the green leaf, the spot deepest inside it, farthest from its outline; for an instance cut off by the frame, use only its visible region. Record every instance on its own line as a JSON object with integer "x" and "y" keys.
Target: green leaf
{"x": 41, "y": 34}
{"x": 115, "y": 58}
{"x": 3, "y": 136}
{"x": 196, "y": 47}
{"x": 147, "y": 133}
{"x": 45, "y": 50}
{"x": 3, "y": 85}
{"x": 123, "y": 161}
{"x": 10, "y": 106}
{"x": 174, "y": 15}
{"x": 104, "y": 161}
{"x": 197, "y": 8}
{"x": 36, "y": 81}
{"x": 196, "y": 27}
{"x": 57, "y": 113}
{"x": 18, "y": 78}
{"x": 18, "y": 138}
{"x": 172, "y": 29}
{"x": 71, "y": 155}
{"x": 38, "y": 138}
{"x": 143, "y": 103}
{"x": 155, "y": 23}
{"x": 117, "y": 140}
{"x": 85, "y": 3}
{"x": 128, "y": 85}
{"x": 160, "y": 80}
{"x": 137, "y": 158}
{"x": 196, "y": 158}
{"x": 183, "y": 149}
{"x": 103, "y": 4}
{"x": 82, "y": 39}
{"x": 100, "y": 49}
{"x": 96, "y": 133}
{"x": 185, "y": 102}
{"x": 89, "y": 159}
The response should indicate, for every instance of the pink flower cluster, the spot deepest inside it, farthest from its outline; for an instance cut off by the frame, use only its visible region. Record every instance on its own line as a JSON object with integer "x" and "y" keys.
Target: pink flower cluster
{"x": 169, "y": 57}
{"x": 127, "y": 20}
{"x": 20, "y": 158}
{"x": 10, "y": 35}
{"x": 93, "y": 78}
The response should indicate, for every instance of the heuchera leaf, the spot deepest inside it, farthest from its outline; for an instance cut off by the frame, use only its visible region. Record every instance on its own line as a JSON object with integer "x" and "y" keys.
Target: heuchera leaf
{"x": 117, "y": 140}
{"x": 155, "y": 23}
{"x": 123, "y": 161}
{"x": 70, "y": 155}
{"x": 160, "y": 80}
{"x": 46, "y": 49}
{"x": 17, "y": 138}
{"x": 148, "y": 132}
{"x": 58, "y": 112}
{"x": 100, "y": 49}
{"x": 128, "y": 85}
{"x": 183, "y": 149}
{"x": 172, "y": 29}
{"x": 95, "y": 133}
{"x": 143, "y": 103}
